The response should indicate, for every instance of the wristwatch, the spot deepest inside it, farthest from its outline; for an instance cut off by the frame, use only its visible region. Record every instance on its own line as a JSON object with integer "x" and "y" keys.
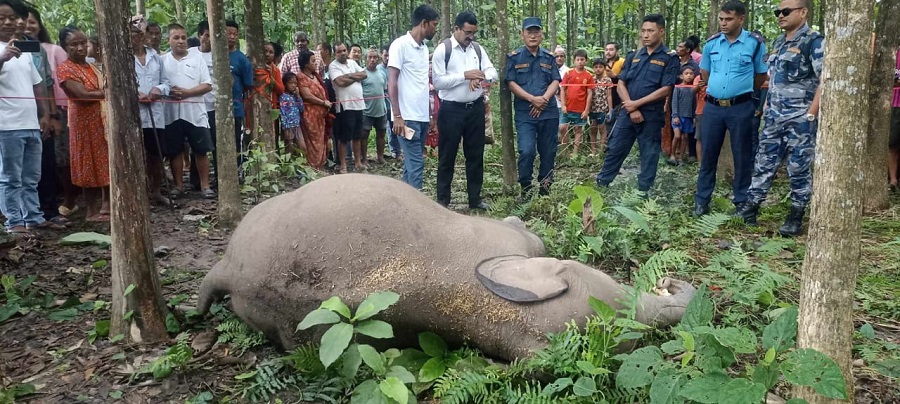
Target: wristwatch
{"x": 810, "y": 117}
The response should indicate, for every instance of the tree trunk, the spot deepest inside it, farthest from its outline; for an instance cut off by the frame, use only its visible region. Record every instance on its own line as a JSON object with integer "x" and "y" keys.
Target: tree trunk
{"x": 179, "y": 11}
{"x": 318, "y": 30}
{"x": 875, "y": 162}
{"x": 260, "y": 122}
{"x": 823, "y": 5}
{"x": 140, "y": 7}
{"x": 229, "y": 207}
{"x": 447, "y": 17}
{"x": 713, "y": 21}
{"x": 725, "y": 168}
{"x": 507, "y": 139}
{"x": 833, "y": 247}
{"x": 135, "y": 283}
{"x": 551, "y": 23}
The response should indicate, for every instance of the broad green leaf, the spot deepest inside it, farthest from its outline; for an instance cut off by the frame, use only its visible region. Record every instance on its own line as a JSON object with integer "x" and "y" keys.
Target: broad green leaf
{"x": 351, "y": 362}
{"x": 639, "y": 220}
{"x": 557, "y": 386}
{"x": 888, "y": 367}
{"x": 432, "y": 344}
{"x": 128, "y": 290}
{"x": 687, "y": 340}
{"x": 796, "y": 401}
{"x": 636, "y": 368}
{"x": 248, "y": 375}
{"x": 665, "y": 386}
{"x": 172, "y": 325}
{"x": 8, "y": 311}
{"x": 630, "y": 324}
{"x": 584, "y": 387}
{"x": 374, "y": 304}
{"x": 781, "y": 333}
{"x": 743, "y": 391}
{"x": 102, "y": 328}
{"x": 87, "y": 238}
{"x": 401, "y": 373}
{"x": 394, "y": 389}
{"x": 318, "y": 316}
{"x": 741, "y": 340}
{"x": 368, "y": 393}
{"x": 64, "y": 315}
{"x": 767, "y": 375}
{"x": 867, "y": 331}
{"x": 606, "y": 313}
{"x": 335, "y": 304}
{"x": 412, "y": 359}
{"x": 375, "y": 329}
{"x": 372, "y": 358}
{"x": 334, "y": 342}
{"x": 432, "y": 369}
{"x": 673, "y": 347}
{"x": 628, "y": 336}
{"x": 770, "y": 356}
{"x": 808, "y": 367}
{"x": 706, "y": 388}
{"x": 699, "y": 311}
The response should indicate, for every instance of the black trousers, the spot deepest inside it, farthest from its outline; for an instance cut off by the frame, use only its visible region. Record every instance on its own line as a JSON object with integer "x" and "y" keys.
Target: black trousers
{"x": 48, "y": 186}
{"x": 459, "y": 121}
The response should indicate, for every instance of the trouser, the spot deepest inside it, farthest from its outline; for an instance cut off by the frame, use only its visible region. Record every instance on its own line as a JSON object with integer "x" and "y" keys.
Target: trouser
{"x": 738, "y": 121}
{"x": 20, "y": 172}
{"x": 647, "y": 134}
{"x": 461, "y": 121}
{"x": 48, "y": 186}
{"x": 793, "y": 142}
{"x": 214, "y": 179}
{"x": 414, "y": 152}
{"x": 536, "y": 137}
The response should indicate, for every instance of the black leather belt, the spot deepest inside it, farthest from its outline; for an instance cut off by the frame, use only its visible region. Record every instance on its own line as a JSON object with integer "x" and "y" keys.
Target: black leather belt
{"x": 466, "y": 105}
{"x": 729, "y": 102}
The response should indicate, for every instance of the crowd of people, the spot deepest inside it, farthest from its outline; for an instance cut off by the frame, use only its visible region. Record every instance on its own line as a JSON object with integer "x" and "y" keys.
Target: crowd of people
{"x": 679, "y": 101}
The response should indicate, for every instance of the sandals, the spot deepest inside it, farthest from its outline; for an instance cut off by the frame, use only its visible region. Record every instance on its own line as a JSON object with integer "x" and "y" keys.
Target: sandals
{"x": 208, "y": 193}
{"x": 19, "y": 231}
{"x": 66, "y": 211}
{"x": 49, "y": 225}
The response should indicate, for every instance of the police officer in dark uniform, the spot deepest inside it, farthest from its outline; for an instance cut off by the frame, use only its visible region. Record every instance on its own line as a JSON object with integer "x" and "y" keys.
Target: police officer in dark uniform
{"x": 533, "y": 78}
{"x": 646, "y": 80}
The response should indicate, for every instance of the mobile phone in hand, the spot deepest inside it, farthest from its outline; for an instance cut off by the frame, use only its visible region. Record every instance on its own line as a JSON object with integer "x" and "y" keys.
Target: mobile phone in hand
{"x": 28, "y": 46}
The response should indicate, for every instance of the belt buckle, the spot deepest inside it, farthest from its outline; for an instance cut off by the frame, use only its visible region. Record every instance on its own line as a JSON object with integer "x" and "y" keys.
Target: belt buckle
{"x": 469, "y": 104}
{"x": 724, "y": 103}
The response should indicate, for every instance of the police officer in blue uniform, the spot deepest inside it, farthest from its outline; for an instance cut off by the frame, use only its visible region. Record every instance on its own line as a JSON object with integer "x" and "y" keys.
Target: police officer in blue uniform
{"x": 533, "y": 78}
{"x": 646, "y": 80}
{"x": 732, "y": 68}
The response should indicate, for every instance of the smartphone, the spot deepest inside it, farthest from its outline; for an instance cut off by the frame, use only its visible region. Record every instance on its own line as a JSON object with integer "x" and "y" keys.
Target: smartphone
{"x": 28, "y": 46}
{"x": 409, "y": 133}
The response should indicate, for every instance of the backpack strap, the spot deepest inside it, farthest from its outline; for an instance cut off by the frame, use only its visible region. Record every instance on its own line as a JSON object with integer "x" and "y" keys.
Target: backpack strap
{"x": 448, "y": 49}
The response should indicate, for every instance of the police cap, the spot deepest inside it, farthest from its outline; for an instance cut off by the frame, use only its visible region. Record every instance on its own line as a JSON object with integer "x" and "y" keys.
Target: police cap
{"x": 531, "y": 22}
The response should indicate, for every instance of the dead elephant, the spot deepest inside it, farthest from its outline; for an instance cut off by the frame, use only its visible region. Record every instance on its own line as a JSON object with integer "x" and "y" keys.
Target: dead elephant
{"x": 466, "y": 278}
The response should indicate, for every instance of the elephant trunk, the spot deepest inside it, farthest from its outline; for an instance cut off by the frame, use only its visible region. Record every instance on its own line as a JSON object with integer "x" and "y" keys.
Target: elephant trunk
{"x": 667, "y": 310}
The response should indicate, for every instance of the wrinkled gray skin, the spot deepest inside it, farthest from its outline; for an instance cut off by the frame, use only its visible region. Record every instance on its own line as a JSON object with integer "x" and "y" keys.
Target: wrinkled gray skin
{"x": 351, "y": 235}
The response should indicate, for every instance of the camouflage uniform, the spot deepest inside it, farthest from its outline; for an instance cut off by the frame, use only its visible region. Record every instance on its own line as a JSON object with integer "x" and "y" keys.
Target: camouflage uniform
{"x": 795, "y": 67}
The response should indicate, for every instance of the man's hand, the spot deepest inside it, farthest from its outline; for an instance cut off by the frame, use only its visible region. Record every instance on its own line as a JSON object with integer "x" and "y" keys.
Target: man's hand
{"x": 474, "y": 84}
{"x": 564, "y": 110}
{"x": 399, "y": 127}
{"x": 155, "y": 94}
{"x": 177, "y": 93}
{"x": 676, "y": 121}
{"x": 538, "y": 102}
{"x": 474, "y": 74}
{"x": 46, "y": 126}
{"x": 630, "y": 105}
{"x": 637, "y": 117}
{"x": 9, "y": 53}
{"x": 534, "y": 113}
{"x": 585, "y": 114}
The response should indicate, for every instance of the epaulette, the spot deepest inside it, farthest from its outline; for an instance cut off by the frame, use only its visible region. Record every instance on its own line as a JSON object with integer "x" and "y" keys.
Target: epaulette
{"x": 513, "y": 53}
{"x": 671, "y": 52}
{"x": 547, "y": 51}
{"x": 757, "y": 37}
{"x": 717, "y": 34}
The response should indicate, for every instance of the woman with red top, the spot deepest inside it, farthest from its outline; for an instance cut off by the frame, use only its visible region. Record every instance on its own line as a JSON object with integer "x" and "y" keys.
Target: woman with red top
{"x": 88, "y": 149}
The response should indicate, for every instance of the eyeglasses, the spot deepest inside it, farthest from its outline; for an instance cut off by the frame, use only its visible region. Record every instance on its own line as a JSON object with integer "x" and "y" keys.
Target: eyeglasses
{"x": 786, "y": 11}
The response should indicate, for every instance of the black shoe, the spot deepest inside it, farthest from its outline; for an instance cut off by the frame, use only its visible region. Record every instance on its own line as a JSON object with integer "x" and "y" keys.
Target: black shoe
{"x": 444, "y": 204}
{"x": 700, "y": 210}
{"x": 748, "y": 211}
{"x": 793, "y": 225}
{"x": 480, "y": 206}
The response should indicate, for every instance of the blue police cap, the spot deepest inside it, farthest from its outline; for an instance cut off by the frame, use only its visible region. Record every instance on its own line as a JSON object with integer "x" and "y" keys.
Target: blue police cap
{"x": 531, "y": 22}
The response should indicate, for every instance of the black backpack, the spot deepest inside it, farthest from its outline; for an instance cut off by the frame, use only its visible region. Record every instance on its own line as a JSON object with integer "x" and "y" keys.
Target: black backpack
{"x": 448, "y": 48}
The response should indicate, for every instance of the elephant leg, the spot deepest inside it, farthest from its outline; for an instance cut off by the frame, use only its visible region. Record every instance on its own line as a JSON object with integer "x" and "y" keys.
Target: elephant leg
{"x": 267, "y": 319}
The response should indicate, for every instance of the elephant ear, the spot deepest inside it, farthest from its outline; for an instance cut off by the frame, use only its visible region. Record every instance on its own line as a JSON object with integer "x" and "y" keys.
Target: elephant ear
{"x": 521, "y": 279}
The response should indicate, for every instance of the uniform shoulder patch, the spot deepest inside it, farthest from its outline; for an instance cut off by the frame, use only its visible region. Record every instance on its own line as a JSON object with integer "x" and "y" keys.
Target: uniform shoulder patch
{"x": 547, "y": 51}
{"x": 716, "y": 35}
{"x": 757, "y": 37}
{"x": 513, "y": 53}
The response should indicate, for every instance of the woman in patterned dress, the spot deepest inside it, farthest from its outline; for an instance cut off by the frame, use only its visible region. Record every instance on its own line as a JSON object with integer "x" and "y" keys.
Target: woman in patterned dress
{"x": 315, "y": 101}
{"x": 88, "y": 148}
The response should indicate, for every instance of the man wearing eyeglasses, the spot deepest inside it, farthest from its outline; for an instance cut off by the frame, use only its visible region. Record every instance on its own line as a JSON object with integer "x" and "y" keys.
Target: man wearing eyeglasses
{"x": 533, "y": 77}
{"x": 459, "y": 65}
{"x": 795, "y": 67}
{"x": 732, "y": 67}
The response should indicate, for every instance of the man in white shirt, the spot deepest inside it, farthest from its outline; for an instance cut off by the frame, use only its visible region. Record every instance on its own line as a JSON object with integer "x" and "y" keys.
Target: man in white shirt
{"x": 151, "y": 87}
{"x": 408, "y": 89}
{"x": 20, "y": 130}
{"x": 346, "y": 76}
{"x": 189, "y": 80}
{"x": 205, "y": 50}
{"x": 458, "y": 73}
{"x": 560, "y": 55}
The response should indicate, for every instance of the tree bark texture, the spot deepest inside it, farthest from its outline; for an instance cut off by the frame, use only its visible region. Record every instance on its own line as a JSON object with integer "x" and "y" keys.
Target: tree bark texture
{"x": 881, "y": 90}
{"x": 318, "y": 24}
{"x": 833, "y": 247}
{"x": 551, "y": 23}
{"x": 179, "y": 11}
{"x": 259, "y": 98}
{"x": 507, "y": 138}
{"x": 447, "y": 18}
{"x": 140, "y": 7}
{"x": 229, "y": 207}
{"x": 713, "y": 21}
{"x": 132, "y": 247}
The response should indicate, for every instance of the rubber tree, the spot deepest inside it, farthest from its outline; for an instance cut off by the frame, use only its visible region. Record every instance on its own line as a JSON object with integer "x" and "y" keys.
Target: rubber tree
{"x": 828, "y": 279}
{"x": 881, "y": 88}
{"x": 229, "y": 207}
{"x": 447, "y": 18}
{"x": 138, "y": 311}
{"x": 259, "y": 101}
{"x": 551, "y": 23}
{"x": 507, "y": 139}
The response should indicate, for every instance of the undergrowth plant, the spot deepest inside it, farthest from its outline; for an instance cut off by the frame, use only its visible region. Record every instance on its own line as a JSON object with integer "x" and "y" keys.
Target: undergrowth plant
{"x": 19, "y": 297}
{"x": 241, "y": 337}
{"x": 268, "y": 171}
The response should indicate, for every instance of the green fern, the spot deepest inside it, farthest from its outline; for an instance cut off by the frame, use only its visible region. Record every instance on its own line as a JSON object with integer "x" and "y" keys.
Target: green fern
{"x": 466, "y": 387}
{"x": 529, "y": 393}
{"x": 707, "y": 225}
{"x": 305, "y": 360}
{"x": 268, "y": 379}
{"x": 239, "y": 334}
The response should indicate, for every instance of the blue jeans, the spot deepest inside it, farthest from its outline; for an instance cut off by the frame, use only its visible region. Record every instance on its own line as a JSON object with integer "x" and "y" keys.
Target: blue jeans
{"x": 20, "y": 171}
{"x": 536, "y": 138}
{"x": 647, "y": 135}
{"x": 738, "y": 121}
{"x": 414, "y": 154}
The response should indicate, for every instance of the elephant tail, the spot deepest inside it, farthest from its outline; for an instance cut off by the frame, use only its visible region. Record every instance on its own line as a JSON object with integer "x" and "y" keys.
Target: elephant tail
{"x": 212, "y": 289}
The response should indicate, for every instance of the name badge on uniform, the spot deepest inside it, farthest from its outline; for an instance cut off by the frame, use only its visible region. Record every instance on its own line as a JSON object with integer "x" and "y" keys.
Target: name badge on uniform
{"x": 658, "y": 62}
{"x": 794, "y": 50}
{"x": 635, "y": 60}
{"x": 546, "y": 66}
{"x": 521, "y": 65}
